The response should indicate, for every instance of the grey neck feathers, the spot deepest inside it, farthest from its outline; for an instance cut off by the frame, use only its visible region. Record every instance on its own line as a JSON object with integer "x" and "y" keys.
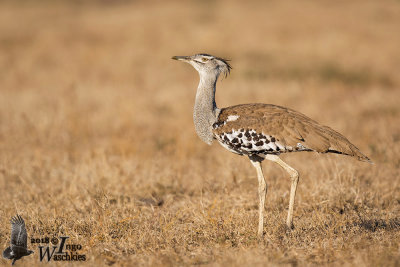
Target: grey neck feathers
{"x": 205, "y": 109}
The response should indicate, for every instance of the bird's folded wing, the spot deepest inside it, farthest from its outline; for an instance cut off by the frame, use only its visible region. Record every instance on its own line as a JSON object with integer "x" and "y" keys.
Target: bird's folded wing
{"x": 289, "y": 127}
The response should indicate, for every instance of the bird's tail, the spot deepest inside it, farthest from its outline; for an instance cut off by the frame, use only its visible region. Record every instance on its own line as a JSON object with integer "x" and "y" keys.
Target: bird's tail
{"x": 340, "y": 145}
{"x": 7, "y": 253}
{"x": 357, "y": 154}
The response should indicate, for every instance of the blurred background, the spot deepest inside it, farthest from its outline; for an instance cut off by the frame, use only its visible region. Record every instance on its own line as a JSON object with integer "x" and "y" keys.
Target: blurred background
{"x": 92, "y": 107}
{"x": 93, "y": 72}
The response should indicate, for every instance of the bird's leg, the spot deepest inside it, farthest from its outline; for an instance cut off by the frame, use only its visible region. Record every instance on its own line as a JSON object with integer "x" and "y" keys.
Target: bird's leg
{"x": 294, "y": 175}
{"x": 262, "y": 192}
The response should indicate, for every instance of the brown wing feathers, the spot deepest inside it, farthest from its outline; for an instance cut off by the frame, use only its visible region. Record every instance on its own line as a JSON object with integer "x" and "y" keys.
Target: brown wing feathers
{"x": 288, "y": 127}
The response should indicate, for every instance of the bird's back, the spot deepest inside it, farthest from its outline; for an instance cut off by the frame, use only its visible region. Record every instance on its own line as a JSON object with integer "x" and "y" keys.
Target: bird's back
{"x": 270, "y": 129}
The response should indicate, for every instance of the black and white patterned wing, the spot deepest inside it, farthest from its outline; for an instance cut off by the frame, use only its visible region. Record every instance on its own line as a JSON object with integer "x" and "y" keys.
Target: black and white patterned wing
{"x": 18, "y": 232}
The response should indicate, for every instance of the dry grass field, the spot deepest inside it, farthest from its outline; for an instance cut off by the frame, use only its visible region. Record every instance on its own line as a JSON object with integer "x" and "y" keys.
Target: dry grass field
{"x": 97, "y": 141}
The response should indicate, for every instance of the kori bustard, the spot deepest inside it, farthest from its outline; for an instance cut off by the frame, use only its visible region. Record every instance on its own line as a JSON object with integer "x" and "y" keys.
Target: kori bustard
{"x": 259, "y": 131}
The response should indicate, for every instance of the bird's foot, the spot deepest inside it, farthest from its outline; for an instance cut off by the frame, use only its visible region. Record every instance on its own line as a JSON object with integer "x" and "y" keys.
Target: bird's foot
{"x": 260, "y": 235}
{"x": 289, "y": 224}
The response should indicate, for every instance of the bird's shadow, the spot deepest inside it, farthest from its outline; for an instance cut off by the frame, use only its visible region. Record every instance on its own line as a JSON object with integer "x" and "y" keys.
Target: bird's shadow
{"x": 363, "y": 224}
{"x": 373, "y": 225}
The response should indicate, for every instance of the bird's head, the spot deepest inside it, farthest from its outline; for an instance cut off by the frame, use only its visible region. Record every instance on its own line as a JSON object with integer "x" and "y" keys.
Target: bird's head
{"x": 207, "y": 64}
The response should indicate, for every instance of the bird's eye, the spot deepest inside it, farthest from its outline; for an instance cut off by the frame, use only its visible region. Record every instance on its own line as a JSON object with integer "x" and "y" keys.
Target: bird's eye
{"x": 204, "y": 59}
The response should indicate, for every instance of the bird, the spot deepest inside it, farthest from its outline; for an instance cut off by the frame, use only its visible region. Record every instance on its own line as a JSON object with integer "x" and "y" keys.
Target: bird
{"x": 18, "y": 247}
{"x": 259, "y": 131}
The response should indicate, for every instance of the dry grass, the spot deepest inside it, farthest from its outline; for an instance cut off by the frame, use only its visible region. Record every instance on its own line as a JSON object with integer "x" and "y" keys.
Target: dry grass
{"x": 97, "y": 141}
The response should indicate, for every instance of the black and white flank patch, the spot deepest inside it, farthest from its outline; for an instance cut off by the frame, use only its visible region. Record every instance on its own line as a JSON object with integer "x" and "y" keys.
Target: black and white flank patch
{"x": 249, "y": 142}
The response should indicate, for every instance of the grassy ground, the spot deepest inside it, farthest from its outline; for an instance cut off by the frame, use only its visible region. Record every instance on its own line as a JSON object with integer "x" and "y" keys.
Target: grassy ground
{"x": 97, "y": 140}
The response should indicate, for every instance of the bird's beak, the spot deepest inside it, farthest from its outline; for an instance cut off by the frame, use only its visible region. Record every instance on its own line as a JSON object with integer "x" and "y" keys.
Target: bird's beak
{"x": 181, "y": 58}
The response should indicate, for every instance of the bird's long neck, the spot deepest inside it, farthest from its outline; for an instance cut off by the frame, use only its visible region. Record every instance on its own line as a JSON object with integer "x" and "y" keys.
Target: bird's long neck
{"x": 205, "y": 109}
